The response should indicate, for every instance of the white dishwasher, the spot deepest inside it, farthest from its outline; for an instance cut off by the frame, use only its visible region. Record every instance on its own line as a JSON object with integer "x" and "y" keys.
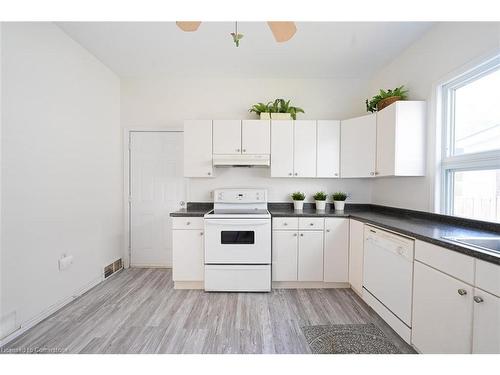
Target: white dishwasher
{"x": 388, "y": 273}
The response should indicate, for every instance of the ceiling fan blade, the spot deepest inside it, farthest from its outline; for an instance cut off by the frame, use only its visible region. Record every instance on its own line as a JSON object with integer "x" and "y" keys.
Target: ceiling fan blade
{"x": 282, "y": 30}
{"x": 188, "y": 25}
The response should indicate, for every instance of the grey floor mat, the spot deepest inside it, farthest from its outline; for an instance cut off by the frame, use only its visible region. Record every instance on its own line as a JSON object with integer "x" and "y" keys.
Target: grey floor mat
{"x": 348, "y": 339}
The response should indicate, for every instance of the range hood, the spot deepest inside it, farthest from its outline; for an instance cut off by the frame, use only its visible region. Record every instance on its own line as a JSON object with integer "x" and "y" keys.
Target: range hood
{"x": 262, "y": 160}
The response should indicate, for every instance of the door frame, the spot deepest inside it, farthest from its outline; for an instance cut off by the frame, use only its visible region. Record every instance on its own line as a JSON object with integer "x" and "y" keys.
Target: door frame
{"x": 127, "y": 132}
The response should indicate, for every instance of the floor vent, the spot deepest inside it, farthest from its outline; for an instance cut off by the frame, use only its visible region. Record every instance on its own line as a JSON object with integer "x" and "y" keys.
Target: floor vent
{"x": 112, "y": 268}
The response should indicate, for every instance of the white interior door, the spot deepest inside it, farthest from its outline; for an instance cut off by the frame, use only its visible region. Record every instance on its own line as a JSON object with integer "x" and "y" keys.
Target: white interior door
{"x": 157, "y": 187}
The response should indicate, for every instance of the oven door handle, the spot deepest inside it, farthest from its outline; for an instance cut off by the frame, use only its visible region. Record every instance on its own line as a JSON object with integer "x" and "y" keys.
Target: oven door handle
{"x": 237, "y": 222}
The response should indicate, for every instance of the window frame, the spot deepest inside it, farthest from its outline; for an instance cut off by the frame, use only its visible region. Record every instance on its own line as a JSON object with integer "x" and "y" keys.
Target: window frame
{"x": 451, "y": 163}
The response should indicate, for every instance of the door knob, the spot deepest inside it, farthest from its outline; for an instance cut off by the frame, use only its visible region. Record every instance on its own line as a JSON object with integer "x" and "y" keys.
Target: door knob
{"x": 478, "y": 299}
{"x": 462, "y": 292}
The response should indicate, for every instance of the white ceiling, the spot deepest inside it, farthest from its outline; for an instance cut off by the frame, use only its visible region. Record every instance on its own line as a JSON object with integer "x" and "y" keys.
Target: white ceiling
{"x": 318, "y": 49}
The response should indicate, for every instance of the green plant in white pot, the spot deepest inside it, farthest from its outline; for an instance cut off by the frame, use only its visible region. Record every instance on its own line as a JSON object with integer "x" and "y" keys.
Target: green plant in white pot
{"x": 320, "y": 198}
{"x": 298, "y": 200}
{"x": 339, "y": 200}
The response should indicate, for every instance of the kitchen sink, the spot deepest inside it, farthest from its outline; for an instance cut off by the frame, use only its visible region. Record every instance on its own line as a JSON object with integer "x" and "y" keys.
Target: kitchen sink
{"x": 483, "y": 243}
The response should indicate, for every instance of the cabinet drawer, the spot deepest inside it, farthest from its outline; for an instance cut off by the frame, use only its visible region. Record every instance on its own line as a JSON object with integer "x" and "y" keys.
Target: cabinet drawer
{"x": 187, "y": 223}
{"x": 286, "y": 223}
{"x": 488, "y": 277}
{"x": 311, "y": 223}
{"x": 454, "y": 264}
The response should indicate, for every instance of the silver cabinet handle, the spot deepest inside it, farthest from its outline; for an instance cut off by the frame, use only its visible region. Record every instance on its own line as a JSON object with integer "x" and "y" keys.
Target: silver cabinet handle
{"x": 311, "y": 224}
{"x": 201, "y": 233}
{"x": 295, "y": 234}
{"x": 478, "y": 299}
{"x": 335, "y": 174}
{"x": 296, "y": 174}
{"x": 285, "y": 224}
{"x": 209, "y": 173}
{"x": 302, "y": 235}
{"x": 237, "y": 150}
{"x": 376, "y": 173}
{"x": 244, "y": 150}
{"x": 290, "y": 174}
{"x": 462, "y": 292}
{"x": 328, "y": 230}
{"x": 188, "y": 222}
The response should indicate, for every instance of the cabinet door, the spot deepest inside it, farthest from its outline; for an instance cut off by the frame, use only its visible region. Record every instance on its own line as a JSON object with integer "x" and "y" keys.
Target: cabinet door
{"x": 358, "y": 146}
{"x": 386, "y": 141}
{"x": 227, "y": 137}
{"x": 310, "y": 260}
{"x": 486, "y": 331}
{"x": 255, "y": 137}
{"x": 442, "y": 312}
{"x": 187, "y": 262}
{"x": 356, "y": 245}
{"x": 281, "y": 148}
{"x": 336, "y": 251}
{"x": 328, "y": 149}
{"x": 304, "y": 159}
{"x": 198, "y": 148}
{"x": 285, "y": 255}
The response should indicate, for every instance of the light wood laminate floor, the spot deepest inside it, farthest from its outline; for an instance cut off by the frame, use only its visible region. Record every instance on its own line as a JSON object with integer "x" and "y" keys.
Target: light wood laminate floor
{"x": 138, "y": 311}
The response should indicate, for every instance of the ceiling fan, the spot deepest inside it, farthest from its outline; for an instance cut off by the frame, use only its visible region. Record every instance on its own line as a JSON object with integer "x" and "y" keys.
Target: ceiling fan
{"x": 282, "y": 30}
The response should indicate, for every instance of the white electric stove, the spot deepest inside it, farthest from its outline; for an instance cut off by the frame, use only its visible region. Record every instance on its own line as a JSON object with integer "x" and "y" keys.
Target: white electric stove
{"x": 238, "y": 242}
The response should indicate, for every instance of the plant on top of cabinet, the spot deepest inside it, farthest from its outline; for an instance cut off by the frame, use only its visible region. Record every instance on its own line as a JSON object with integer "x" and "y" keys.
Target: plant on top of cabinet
{"x": 320, "y": 198}
{"x": 339, "y": 200}
{"x": 385, "y": 98}
{"x": 298, "y": 200}
{"x": 279, "y": 109}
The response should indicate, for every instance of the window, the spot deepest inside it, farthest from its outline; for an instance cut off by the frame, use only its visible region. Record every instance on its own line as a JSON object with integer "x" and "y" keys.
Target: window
{"x": 471, "y": 144}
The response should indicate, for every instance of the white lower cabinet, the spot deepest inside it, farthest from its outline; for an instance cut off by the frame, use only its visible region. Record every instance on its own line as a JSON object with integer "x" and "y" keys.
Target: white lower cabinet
{"x": 285, "y": 246}
{"x": 486, "y": 329}
{"x": 336, "y": 250}
{"x": 297, "y": 252}
{"x": 310, "y": 259}
{"x": 356, "y": 255}
{"x": 187, "y": 262}
{"x": 442, "y": 312}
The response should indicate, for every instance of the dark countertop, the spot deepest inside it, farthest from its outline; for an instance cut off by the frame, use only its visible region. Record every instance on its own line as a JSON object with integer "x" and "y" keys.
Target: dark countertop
{"x": 423, "y": 226}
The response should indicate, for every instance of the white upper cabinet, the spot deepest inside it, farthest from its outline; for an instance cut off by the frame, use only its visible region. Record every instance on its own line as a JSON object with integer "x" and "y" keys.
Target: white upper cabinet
{"x": 227, "y": 137}
{"x": 256, "y": 137}
{"x": 282, "y": 148}
{"x": 358, "y": 138}
{"x": 328, "y": 149}
{"x": 305, "y": 149}
{"x": 198, "y": 148}
{"x": 293, "y": 148}
{"x": 400, "y": 139}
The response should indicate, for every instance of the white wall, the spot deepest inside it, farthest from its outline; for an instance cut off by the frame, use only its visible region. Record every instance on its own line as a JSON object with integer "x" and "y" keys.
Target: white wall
{"x": 444, "y": 51}
{"x": 166, "y": 102}
{"x": 61, "y": 169}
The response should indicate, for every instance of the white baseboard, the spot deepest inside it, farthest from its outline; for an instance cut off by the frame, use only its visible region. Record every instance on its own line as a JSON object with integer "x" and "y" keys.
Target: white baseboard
{"x": 308, "y": 285}
{"x": 388, "y": 316}
{"x": 189, "y": 285}
{"x": 49, "y": 311}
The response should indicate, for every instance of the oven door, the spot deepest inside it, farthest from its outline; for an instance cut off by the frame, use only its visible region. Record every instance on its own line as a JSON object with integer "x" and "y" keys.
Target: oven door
{"x": 237, "y": 241}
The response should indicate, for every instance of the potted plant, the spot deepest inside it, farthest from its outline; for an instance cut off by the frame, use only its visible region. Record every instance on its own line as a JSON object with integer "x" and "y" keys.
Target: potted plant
{"x": 320, "y": 198}
{"x": 298, "y": 200}
{"x": 279, "y": 109}
{"x": 262, "y": 110}
{"x": 385, "y": 98}
{"x": 339, "y": 200}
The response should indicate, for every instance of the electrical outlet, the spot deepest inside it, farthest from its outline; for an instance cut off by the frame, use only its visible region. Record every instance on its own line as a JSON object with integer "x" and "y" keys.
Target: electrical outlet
{"x": 65, "y": 262}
